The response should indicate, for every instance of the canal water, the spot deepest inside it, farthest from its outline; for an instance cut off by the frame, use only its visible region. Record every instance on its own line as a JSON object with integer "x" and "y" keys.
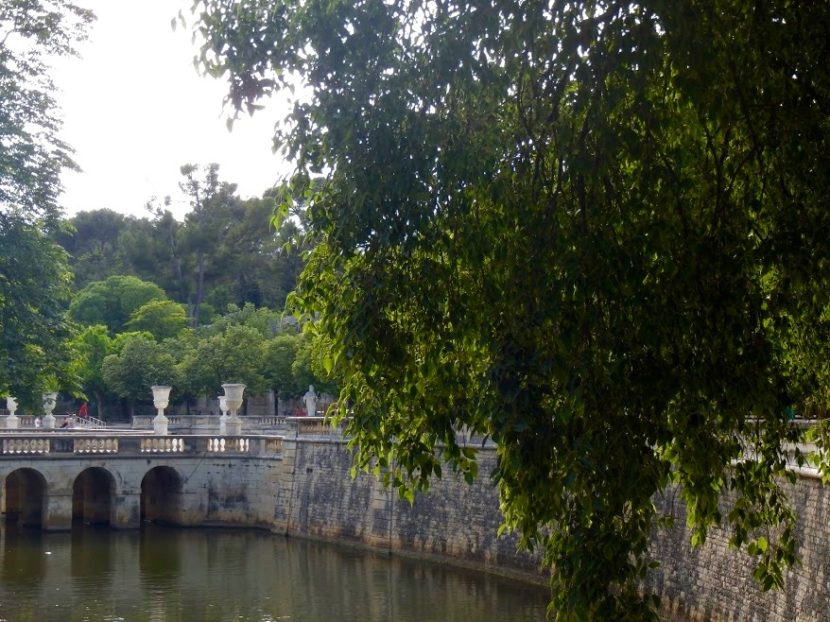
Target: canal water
{"x": 162, "y": 574}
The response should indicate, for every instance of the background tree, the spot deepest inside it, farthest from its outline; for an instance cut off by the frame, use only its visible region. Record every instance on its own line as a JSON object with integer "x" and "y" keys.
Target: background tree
{"x": 92, "y": 241}
{"x": 572, "y": 227}
{"x": 113, "y": 301}
{"x": 278, "y": 359}
{"x": 232, "y": 356}
{"x": 209, "y": 199}
{"x": 243, "y": 258}
{"x": 89, "y": 349}
{"x": 140, "y": 364}
{"x": 162, "y": 318}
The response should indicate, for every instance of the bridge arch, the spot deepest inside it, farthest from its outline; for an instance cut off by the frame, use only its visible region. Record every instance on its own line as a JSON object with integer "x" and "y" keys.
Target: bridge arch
{"x": 161, "y": 491}
{"x": 92, "y": 496}
{"x": 25, "y": 497}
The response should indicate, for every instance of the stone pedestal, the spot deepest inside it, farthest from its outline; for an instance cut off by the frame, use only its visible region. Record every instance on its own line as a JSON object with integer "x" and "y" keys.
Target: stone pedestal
{"x": 12, "y": 421}
{"x": 49, "y": 403}
{"x": 234, "y": 426}
{"x": 161, "y": 396}
{"x": 160, "y": 424}
{"x": 233, "y": 400}
{"x": 223, "y": 419}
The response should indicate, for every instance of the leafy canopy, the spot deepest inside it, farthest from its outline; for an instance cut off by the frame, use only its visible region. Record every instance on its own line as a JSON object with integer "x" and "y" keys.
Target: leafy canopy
{"x": 594, "y": 231}
{"x": 34, "y": 293}
{"x": 32, "y": 33}
{"x": 33, "y": 275}
{"x": 162, "y": 318}
{"x": 113, "y": 301}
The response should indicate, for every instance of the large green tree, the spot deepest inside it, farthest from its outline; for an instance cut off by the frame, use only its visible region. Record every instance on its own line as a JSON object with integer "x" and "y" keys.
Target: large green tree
{"x": 34, "y": 294}
{"x": 162, "y": 318}
{"x": 596, "y": 231}
{"x": 33, "y": 275}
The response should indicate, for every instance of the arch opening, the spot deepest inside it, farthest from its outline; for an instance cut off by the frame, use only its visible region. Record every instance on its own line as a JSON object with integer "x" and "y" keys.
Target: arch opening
{"x": 25, "y": 496}
{"x": 161, "y": 491}
{"x": 92, "y": 495}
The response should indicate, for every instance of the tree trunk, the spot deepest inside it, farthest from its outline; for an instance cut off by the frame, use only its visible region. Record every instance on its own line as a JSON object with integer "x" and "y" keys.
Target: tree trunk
{"x": 200, "y": 291}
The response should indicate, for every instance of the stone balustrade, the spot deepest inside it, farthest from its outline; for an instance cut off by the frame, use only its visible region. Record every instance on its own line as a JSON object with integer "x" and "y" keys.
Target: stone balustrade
{"x": 133, "y": 445}
{"x": 209, "y": 424}
{"x": 163, "y": 445}
{"x": 18, "y": 446}
{"x": 97, "y": 445}
{"x": 206, "y": 424}
{"x": 312, "y": 426}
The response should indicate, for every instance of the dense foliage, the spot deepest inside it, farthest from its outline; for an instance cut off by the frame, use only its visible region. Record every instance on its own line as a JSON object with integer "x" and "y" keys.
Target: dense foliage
{"x": 34, "y": 292}
{"x": 33, "y": 275}
{"x": 595, "y": 231}
{"x": 32, "y": 34}
{"x": 259, "y": 347}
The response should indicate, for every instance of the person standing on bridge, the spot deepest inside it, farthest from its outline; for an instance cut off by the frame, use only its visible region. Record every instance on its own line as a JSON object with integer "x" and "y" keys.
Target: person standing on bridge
{"x": 83, "y": 411}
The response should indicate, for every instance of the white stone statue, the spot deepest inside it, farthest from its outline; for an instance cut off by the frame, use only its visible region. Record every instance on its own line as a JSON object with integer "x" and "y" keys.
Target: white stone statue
{"x": 310, "y": 399}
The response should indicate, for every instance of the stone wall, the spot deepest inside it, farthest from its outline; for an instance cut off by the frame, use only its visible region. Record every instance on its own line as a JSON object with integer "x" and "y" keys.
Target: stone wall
{"x": 714, "y": 581}
{"x": 459, "y": 521}
{"x": 454, "y": 520}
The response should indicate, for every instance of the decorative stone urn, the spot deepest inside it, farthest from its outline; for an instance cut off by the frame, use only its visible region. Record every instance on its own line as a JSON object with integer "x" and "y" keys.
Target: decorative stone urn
{"x": 12, "y": 421}
{"x": 223, "y": 419}
{"x": 161, "y": 397}
{"x": 50, "y": 400}
{"x": 233, "y": 400}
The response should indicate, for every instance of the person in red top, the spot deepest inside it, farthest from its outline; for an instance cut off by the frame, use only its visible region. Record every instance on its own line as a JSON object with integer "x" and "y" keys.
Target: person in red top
{"x": 83, "y": 411}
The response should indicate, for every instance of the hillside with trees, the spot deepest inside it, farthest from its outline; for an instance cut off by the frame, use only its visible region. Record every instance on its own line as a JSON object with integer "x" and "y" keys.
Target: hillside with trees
{"x": 191, "y": 303}
{"x": 225, "y": 251}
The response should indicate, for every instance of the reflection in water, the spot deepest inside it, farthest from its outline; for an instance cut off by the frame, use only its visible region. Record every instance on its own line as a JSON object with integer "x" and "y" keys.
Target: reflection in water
{"x": 91, "y": 554}
{"x": 19, "y": 565}
{"x": 170, "y": 574}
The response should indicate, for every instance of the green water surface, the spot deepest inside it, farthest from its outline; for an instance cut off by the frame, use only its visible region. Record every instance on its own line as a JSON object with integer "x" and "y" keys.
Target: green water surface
{"x": 167, "y": 574}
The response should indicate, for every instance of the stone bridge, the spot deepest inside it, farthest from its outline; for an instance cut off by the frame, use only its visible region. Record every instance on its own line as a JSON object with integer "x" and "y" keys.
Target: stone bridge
{"x": 50, "y": 479}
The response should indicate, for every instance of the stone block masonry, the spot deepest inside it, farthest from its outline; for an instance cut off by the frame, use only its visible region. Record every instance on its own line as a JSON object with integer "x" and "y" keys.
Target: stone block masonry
{"x": 454, "y": 520}
{"x": 714, "y": 581}
{"x": 459, "y": 522}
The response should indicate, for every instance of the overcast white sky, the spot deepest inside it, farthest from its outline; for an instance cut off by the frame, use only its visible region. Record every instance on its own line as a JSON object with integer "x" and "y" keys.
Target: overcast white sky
{"x": 135, "y": 110}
